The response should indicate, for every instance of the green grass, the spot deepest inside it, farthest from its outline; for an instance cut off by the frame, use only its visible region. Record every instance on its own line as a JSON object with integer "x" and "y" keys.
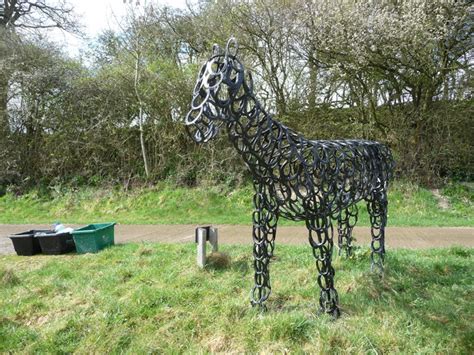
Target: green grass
{"x": 409, "y": 205}
{"x": 139, "y": 298}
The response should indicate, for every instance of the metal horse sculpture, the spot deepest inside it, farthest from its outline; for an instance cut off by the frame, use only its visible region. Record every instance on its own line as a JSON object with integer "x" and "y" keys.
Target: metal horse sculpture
{"x": 315, "y": 181}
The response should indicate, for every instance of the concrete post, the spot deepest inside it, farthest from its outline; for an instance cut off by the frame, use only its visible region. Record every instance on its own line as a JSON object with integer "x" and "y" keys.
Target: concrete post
{"x": 213, "y": 238}
{"x": 204, "y": 234}
{"x": 201, "y": 247}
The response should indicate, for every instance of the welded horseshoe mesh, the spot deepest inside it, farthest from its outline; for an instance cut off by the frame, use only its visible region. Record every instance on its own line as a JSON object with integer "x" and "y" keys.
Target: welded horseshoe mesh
{"x": 316, "y": 181}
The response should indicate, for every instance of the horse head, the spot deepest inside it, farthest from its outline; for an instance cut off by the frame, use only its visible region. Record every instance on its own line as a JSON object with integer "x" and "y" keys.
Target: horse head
{"x": 217, "y": 94}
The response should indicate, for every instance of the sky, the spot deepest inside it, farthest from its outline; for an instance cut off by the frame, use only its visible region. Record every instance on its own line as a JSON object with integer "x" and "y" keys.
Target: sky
{"x": 99, "y": 15}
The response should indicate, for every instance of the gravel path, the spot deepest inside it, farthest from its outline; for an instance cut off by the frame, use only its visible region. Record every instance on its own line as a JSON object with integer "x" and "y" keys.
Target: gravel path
{"x": 396, "y": 237}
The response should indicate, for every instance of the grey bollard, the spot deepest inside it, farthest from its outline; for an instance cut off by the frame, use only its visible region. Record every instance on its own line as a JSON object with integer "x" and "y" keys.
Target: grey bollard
{"x": 201, "y": 236}
{"x": 204, "y": 234}
{"x": 213, "y": 238}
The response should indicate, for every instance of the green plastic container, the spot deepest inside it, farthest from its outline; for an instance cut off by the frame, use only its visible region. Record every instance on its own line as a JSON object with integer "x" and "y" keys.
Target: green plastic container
{"x": 94, "y": 237}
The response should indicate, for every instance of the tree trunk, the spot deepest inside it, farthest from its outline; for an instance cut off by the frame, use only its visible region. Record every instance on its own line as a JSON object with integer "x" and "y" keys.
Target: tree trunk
{"x": 142, "y": 142}
{"x": 140, "y": 115}
{"x": 4, "y": 126}
{"x": 4, "y": 76}
{"x": 313, "y": 79}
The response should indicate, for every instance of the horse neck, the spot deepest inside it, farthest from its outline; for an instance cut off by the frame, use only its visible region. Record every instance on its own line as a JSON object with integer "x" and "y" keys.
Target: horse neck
{"x": 256, "y": 135}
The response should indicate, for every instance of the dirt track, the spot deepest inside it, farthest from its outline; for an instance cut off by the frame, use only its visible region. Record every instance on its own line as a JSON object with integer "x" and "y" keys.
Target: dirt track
{"x": 396, "y": 237}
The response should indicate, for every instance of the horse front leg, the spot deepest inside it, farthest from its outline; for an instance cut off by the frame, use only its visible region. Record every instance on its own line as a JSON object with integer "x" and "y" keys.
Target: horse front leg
{"x": 321, "y": 240}
{"x": 263, "y": 232}
{"x": 271, "y": 220}
{"x": 346, "y": 220}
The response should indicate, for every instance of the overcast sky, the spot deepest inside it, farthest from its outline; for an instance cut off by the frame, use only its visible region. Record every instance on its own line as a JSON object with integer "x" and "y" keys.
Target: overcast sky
{"x": 99, "y": 15}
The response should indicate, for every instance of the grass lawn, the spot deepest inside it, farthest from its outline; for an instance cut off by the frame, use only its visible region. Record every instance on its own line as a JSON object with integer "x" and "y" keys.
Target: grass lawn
{"x": 409, "y": 205}
{"x": 138, "y": 298}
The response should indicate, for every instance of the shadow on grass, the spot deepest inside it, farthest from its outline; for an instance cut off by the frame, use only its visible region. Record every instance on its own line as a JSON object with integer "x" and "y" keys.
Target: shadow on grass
{"x": 434, "y": 290}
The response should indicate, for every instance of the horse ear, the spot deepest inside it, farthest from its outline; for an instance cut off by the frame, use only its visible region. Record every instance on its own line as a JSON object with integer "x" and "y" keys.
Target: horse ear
{"x": 216, "y": 49}
{"x": 231, "y": 47}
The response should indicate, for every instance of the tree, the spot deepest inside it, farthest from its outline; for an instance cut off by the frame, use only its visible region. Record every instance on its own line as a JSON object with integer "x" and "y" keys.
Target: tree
{"x": 17, "y": 19}
{"x": 267, "y": 29}
{"x": 405, "y": 55}
{"x": 36, "y": 14}
{"x": 133, "y": 43}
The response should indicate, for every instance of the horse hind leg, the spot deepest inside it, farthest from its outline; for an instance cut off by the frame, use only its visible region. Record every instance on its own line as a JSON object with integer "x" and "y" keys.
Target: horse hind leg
{"x": 377, "y": 208}
{"x": 346, "y": 220}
